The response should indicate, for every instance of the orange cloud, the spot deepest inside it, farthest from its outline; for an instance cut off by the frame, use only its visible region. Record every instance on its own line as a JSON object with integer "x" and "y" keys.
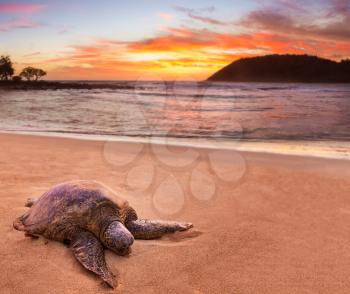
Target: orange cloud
{"x": 281, "y": 26}
{"x": 205, "y": 43}
{"x": 180, "y": 53}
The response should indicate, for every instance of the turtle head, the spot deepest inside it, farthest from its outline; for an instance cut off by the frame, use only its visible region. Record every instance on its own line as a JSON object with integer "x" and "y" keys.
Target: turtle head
{"x": 117, "y": 238}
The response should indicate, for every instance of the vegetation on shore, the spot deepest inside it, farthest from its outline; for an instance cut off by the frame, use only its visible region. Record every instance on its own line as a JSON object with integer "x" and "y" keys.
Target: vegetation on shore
{"x": 7, "y": 71}
{"x": 285, "y": 69}
{"x": 29, "y": 79}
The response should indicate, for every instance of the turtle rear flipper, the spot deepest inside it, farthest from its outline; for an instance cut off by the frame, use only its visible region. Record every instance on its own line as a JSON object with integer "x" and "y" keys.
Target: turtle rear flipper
{"x": 89, "y": 252}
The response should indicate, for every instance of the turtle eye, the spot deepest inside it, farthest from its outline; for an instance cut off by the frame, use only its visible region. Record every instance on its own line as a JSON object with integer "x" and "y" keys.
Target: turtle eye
{"x": 66, "y": 242}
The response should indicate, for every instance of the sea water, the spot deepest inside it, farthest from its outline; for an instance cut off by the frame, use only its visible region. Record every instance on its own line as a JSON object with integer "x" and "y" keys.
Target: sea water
{"x": 311, "y": 119}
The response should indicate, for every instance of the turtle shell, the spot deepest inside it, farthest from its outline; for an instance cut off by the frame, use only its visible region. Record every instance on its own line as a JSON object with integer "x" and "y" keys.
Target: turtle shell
{"x": 87, "y": 205}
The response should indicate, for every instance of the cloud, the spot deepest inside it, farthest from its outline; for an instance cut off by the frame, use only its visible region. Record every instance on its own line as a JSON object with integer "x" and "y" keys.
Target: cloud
{"x": 166, "y": 16}
{"x": 184, "y": 51}
{"x": 173, "y": 40}
{"x": 268, "y": 20}
{"x": 187, "y": 51}
{"x": 168, "y": 54}
{"x": 205, "y": 42}
{"x": 208, "y": 9}
{"x": 339, "y": 7}
{"x": 18, "y": 23}
{"x": 332, "y": 23}
{"x": 33, "y": 54}
{"x": 197, "y": 14}
{"x": 291, "y": 5}
{"x": 207, "y": 19}
{"x": 210, "y": 50}
{"x": 21, "y": 8}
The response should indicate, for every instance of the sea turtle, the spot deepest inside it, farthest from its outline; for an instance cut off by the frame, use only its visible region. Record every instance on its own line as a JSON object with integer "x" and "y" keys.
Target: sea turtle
{"x": 88, "y": 216}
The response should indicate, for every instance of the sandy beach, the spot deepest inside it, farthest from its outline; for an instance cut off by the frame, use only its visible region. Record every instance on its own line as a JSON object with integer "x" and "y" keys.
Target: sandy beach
{"x": 279, "y": 225}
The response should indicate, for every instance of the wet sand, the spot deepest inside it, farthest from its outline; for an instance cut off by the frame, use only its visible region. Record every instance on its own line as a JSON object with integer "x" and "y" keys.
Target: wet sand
{"x": 263, "y": 223}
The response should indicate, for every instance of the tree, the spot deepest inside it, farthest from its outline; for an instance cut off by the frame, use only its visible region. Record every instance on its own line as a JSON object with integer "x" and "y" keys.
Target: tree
{"x": 6, "y": 68}
{"x": 32, "y": 73}
{"x": 16, "y": 79}
{"x": 39, "y": 73}
{"x": 27, "y": 73}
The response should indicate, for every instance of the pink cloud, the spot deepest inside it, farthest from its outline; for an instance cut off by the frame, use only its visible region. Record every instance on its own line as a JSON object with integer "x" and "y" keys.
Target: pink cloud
{"x": 20, "y": 8}
{"x": 20, "y": 23}
{"x": 166, "y": 16}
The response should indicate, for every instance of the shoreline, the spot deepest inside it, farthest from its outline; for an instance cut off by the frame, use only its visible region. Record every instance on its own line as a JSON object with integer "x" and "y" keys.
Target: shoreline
{"x": 339, "y": 150}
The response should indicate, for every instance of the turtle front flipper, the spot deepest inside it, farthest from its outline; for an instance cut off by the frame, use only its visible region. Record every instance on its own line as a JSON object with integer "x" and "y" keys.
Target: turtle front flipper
{"x": 89, "y": 252}
{"x": 154, "y": 229}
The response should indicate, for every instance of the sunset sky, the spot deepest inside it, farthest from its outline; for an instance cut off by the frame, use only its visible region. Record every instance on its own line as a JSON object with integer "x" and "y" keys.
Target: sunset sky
{"x": 151, "y": 39}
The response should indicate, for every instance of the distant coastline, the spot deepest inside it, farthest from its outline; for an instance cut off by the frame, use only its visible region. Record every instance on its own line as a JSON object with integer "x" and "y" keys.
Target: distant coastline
{"x": 55, "y": 85}
{"x": 284, "y": 69}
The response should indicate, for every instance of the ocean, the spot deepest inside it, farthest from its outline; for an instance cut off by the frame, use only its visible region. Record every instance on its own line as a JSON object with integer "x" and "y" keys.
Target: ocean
{"x": 311, "y": 118}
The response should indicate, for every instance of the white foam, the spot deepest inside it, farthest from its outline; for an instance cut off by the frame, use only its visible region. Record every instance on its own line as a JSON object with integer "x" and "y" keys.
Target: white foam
{"x": 321, "y": 149}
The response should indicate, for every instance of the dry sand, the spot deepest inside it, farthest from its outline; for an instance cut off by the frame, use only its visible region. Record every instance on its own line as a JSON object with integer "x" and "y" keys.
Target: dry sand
{"x": 283, "y": 227}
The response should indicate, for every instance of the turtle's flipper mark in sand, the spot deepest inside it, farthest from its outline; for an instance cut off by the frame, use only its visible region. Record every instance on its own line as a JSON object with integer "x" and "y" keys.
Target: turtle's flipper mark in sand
{"x": 89, "y": 252}
{"x": 30, "y": 202}
{"x": 154, "y": 229}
